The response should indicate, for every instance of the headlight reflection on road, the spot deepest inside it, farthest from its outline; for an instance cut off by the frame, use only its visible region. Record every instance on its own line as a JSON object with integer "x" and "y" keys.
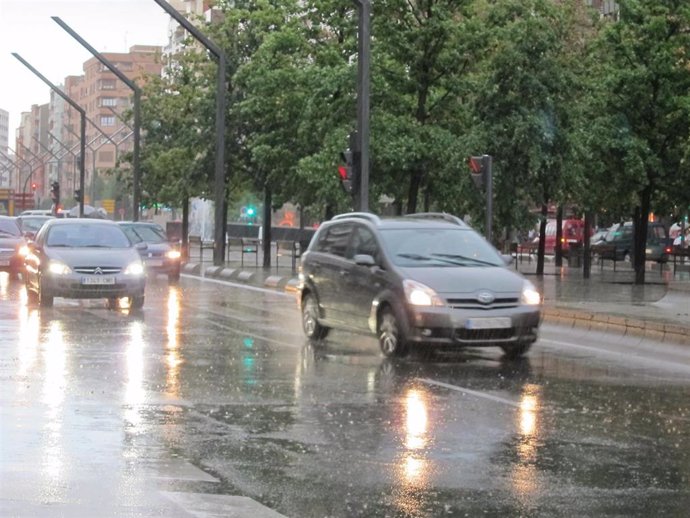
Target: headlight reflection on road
{"x": 54, "y": 385}
{"x": 134, "y": 391}
{"x": 524, "y": 475}
{"x": 173, "y": 358}
{"x": 413, "y": 466}
{"x": 29, "y": 332}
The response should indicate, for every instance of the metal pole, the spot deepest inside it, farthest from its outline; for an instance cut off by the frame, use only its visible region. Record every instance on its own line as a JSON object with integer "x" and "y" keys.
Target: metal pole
{"x": 221, "y": 94}
{"x": 489, "y": 197}
{"x": 136, "y": 174}
{"x": 82, "y": 115}
{"x": 363, "y": 93}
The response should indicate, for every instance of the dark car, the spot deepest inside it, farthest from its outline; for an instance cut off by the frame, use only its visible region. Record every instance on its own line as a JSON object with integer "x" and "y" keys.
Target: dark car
{"x": 84, "y": 259}
{"x": 12, "y": 247}
{"x": 30, "y": 224}
{"x": 160, "y": 256}
{"x": 426, "y": 280}
{"x": 618, "y": 243}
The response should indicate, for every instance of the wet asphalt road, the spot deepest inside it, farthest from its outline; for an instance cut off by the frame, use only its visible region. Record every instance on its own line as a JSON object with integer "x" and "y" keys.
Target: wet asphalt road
{"x": 211, "y": 393}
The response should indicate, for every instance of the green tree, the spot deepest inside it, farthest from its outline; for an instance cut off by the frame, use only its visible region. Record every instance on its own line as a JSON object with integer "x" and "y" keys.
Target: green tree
{"x": 643, "y": 119}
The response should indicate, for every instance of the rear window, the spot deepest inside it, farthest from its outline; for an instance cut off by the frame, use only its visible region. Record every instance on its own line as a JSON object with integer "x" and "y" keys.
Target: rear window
{"x": 9, "y": 227}
{"x": 423, "y": 247}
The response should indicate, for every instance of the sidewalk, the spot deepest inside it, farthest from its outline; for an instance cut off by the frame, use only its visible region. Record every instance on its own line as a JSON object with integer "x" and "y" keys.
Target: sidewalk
{"x": 608, "y": 301}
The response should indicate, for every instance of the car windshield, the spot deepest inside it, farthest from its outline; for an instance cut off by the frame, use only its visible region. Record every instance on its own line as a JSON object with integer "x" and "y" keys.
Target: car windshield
{"x": 145, "y": 233}
{"x": 421, "y": 247}
{"x": 8, "y": 227}
{"x": 87, "y": 235}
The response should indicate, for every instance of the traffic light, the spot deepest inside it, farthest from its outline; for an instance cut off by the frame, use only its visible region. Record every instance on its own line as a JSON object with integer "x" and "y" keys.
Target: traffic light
{"x": 55, "y": 192}
{"x": 479, "y": 167}
{"x": 251, "y": 211}
{"x": 346, "y": 171}
{"x": 34, "y": 186}
{"x": 77, "y": 195}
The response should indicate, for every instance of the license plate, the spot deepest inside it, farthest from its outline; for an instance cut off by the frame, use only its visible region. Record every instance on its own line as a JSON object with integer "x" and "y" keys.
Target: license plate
{"x": 4, "y": 263}
{"x": 98, "y": 280}
{"x": 154, "y": 262}
{"x": 489, "y": 323}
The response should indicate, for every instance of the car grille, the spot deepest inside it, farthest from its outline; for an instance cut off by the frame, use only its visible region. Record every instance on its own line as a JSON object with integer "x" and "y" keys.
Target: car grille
{"x": 482, "y": 335}
{"x": 6, "y": 253}
{"x": 96, "y": 288}
{"x": 151, "y": 255}
{"x": 91, "y": 270}
{"x": 473, "y": 303}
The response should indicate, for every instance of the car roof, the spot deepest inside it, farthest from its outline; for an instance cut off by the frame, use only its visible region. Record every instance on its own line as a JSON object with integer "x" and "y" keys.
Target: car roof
{"x": 417, "y": 220}
{"x": 75, "y": 221}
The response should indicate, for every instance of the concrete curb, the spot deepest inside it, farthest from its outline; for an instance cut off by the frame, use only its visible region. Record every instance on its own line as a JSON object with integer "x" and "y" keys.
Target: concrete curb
{"x": 586, "y": 320}
{"x": 575, "y": 318}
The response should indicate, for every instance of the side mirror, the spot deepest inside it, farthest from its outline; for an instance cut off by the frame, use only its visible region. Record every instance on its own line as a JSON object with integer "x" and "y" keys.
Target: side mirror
{"x": 141, "y": 246}
{"x": 508, "y": 259}
{"x": 364, "y": 260}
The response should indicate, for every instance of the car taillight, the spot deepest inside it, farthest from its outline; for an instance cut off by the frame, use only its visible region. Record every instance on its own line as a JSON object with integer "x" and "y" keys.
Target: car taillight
{"x": 668, "y": 250}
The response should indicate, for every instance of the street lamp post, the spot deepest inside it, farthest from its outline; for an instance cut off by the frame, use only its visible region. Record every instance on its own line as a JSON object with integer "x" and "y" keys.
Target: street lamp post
{"x": 221, "y": 94}
{"x": 82, "y": 114}
{"x": 136, "y": 173}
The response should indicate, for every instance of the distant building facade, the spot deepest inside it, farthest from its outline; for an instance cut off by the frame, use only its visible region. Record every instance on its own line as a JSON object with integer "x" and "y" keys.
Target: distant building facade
{"x": 5, "y": 164}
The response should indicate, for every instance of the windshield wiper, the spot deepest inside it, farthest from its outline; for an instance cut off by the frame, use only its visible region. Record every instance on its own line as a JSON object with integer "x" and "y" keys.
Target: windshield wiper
{"x": 6, "y": 233}
{"x": 97, "y": 246}
{"x": 415, "y": 257}
{"x": 465, "y": 258}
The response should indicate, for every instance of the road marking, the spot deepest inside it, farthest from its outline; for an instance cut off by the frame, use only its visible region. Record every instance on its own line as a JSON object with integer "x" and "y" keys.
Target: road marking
{"x": 239, "y": 285}
{"x": 226, "y": 506}
{"x": 470, "y": 391}
{"x": 252, "y": 335}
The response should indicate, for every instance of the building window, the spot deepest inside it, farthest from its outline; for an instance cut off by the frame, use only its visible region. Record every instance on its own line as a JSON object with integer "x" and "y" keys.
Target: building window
{"x": 107, "y": 84}
{"x": 107, "y": 120}
{"x": 108, "y": 101}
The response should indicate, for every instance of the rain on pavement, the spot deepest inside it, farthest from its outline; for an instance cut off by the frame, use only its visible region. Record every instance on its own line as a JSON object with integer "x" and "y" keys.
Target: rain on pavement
{"x": 211, "y": 403}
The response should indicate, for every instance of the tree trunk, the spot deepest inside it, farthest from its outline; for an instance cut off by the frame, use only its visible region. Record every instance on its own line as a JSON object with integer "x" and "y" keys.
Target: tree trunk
{"x": 413, "y": 193}
{"x": 542, "y": 239}
{"x": 640, "y": 224}
{"x": 185, "y": 228}
{"x": 587, "y": 257}
{"x": 266, "y": 244}
{"x": 558, "y": 246}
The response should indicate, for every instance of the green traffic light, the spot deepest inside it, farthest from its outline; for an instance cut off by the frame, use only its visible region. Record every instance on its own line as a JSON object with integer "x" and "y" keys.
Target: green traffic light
{"x": 251, "y": 211}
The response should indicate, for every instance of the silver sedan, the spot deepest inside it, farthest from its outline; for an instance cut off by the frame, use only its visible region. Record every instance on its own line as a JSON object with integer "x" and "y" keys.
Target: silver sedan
{"x": 84, "y": 259}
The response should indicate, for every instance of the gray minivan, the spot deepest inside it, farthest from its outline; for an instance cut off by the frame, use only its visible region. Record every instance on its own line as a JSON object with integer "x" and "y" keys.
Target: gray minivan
{"x": 427, "y": 280}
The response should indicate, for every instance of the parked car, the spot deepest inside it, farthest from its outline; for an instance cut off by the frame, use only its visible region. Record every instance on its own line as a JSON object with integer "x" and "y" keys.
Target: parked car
{"x": 618, "y": 243}
{"x": 84, "y": 259}
{"x": 12, "y": 247}
{"x": 31, "y": 224}
{"x": 573, "y": 233}
{"x": 426, "y": 280}
{"x": 160, "y": 256}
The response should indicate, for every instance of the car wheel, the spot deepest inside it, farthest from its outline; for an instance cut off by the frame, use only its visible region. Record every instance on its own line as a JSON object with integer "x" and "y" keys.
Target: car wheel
{"x": 136, "y": 302}
{"x": 310, "y": 319}
{"x": 45, "y": 298}
{"x": 515, "y": 351}
{"x": 391, "y": 338}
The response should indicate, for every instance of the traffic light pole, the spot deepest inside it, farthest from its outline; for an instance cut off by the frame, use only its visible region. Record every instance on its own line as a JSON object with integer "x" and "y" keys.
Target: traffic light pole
{"x": 363, "y": 93}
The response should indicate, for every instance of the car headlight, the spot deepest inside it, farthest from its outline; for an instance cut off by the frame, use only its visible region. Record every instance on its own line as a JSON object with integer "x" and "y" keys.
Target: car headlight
{"x": 58, "y": 268}
{"x": 134, "y": 269}
{"x": 23, "y": 251}
{"x": 418, "y": 294}
{"x": 530, "y": 295}
{"x": 173, "y": 254}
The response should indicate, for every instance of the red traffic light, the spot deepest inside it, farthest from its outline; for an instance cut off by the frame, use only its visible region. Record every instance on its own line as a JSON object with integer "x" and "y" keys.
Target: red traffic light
{"x": 33, "y": 186}
{"x": 475, "y": 163}
{"x": 342, "y": 172}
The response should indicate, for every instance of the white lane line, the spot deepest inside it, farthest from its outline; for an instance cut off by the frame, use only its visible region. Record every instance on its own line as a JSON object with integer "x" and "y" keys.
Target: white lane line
{"x": 470, "y": 391}
{"x": 240, "y": 285}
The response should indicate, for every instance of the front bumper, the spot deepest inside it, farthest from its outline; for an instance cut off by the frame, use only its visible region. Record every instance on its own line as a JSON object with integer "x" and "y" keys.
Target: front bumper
{"x": 74, "y": 286}
{"x": 453, "y": 327}
{"x": 158, "y": 265}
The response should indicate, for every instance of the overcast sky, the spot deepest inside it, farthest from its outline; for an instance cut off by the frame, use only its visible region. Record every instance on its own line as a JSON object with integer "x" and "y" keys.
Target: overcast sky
{"x": 26, "y": 28}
